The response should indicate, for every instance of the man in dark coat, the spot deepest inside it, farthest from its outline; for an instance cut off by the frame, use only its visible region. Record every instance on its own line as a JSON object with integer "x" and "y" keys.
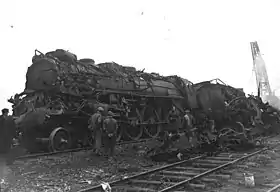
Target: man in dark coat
{"x": 7, "y": 134}
{"x": 95, "y": 124}
{"x": 110, "y": 126}
{"x": 4, "y": 132}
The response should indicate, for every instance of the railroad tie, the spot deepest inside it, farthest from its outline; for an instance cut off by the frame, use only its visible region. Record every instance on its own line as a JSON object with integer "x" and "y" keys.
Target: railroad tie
{"x": 195, "y": 174}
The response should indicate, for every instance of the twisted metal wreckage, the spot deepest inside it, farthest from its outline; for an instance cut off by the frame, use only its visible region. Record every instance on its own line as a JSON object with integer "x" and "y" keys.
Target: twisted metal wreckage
{"x": 61, "y": 92}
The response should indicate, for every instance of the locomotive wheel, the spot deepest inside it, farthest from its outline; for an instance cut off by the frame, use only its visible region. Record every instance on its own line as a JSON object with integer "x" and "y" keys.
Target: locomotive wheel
{"x": 152, "y": 129}
{"x": 60, "y": 140}
{"x": 134, "y": 132}
{"x": 119, "y": 132}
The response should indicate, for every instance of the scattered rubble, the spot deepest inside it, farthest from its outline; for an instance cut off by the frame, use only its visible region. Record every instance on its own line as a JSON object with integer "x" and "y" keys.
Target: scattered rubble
{"x": 73, "y": 171}
{"x": 265, "y": 169}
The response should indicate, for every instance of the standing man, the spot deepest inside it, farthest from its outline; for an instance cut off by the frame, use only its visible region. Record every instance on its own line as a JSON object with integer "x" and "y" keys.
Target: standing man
{"x": 188, "y": 121}
{"x": 7, "y": 133}
{"x": 5, "y": 113}
{"x": 95, "y": 123}
{"x": 188, "y": 125}
{"x": 174, "y": 119}
{"x": 110, "y": 126}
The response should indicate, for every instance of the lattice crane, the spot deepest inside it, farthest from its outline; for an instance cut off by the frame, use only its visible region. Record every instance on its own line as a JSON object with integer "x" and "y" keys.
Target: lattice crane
{"x": 264, "y": 90}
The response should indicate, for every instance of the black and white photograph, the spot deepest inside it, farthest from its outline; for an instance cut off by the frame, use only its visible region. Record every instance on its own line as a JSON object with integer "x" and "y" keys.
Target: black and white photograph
{"x": 140, "y": 96}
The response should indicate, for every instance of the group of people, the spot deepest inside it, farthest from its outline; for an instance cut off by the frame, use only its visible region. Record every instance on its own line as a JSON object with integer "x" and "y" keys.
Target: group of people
{"x": 191, "y": 131}
{"x": 104, "y": 131}
{"x": 187, "y": 124}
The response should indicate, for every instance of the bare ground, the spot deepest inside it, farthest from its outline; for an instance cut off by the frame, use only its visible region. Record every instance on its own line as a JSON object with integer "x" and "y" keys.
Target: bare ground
{"x": 74, "y": 171}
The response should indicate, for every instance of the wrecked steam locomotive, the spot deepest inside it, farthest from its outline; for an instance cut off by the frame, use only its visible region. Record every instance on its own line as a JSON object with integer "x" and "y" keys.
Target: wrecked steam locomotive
{"x": 61, "y": 92}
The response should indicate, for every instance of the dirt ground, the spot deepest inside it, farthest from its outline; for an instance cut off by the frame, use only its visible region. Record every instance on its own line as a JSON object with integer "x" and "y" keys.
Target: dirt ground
{"x": 74, "y": 171}
{"x": 266, "y": 170}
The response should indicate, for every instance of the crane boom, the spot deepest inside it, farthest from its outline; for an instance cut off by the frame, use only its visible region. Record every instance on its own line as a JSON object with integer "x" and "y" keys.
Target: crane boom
{"x": 259, "y": 67}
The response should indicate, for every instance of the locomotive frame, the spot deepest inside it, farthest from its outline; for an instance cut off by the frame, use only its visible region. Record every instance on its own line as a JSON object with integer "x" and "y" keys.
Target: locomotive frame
{"x": 148, "y": 116}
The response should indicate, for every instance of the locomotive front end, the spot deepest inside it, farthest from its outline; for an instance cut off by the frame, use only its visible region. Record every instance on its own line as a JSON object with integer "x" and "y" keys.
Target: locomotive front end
{"x": 42, "y": 74}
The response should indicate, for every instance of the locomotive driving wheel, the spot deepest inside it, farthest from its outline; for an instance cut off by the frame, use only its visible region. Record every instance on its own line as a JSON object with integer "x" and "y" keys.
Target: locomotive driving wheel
{"x": 119, "y": 132}
{"x": 60, "y": 140}
{"x": 134, "y": 130}
{"x": 151, "y": 117}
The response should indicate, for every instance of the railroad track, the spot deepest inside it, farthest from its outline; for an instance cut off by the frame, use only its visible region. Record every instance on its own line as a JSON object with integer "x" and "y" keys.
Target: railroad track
{"x": 275, "y": 188}
{"x": 195, "y": 174}
{"x": 35, "y": 155}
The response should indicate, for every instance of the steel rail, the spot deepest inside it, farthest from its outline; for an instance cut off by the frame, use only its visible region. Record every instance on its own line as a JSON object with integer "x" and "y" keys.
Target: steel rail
{"x": 29, "y": 156}
{"x": 184, "y": 182}
{"x": 211, "y": 171}
{"x": 217, "y": 169}
{"x": 274, "y": 188}
{"x": 99, "y": 187}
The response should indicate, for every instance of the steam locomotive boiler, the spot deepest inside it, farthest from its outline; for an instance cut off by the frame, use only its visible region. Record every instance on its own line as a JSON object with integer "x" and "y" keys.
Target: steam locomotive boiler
{"x": 61, "y": 92}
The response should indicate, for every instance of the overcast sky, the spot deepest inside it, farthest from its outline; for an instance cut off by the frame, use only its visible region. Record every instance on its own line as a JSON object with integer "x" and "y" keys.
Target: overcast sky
{"x": 196, "y": 39}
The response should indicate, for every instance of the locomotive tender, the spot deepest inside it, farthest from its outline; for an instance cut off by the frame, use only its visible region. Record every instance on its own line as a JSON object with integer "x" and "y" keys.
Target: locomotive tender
{"x": 61, "y": 92}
